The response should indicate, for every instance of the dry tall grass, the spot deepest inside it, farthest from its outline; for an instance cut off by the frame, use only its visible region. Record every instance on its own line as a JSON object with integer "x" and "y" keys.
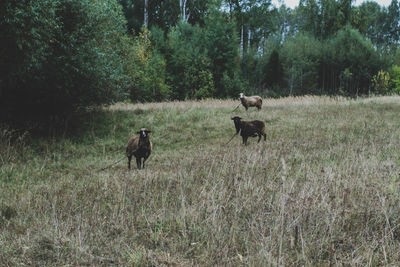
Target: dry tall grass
{"x": 324, "y": 188}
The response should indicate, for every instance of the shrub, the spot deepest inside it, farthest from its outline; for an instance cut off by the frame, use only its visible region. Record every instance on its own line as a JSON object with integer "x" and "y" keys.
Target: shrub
{"x": 188, "y": 64}
{"x": 394, "y": 81}
{"x": 380, "y": 82}
{"x": 145, "y": 69}
{"x": 60, "y": 56}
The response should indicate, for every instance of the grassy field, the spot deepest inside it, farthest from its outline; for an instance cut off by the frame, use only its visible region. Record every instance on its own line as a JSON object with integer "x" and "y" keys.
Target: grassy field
{"x": 323, "y": 189}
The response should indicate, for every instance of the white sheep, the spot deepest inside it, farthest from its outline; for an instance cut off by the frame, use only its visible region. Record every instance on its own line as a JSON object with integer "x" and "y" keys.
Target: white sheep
{"x": 251, "y": 101}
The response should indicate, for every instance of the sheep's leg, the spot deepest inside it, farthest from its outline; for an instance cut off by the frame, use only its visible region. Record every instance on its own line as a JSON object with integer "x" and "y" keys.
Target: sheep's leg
{"x": 129, "y": 162}
{"x": 244, "y": 140}
{"x": 144, "y": 159}
{"x": 138, "y": 162}
{"x": 259, "y": 138}
{"x": 265, "y": 137}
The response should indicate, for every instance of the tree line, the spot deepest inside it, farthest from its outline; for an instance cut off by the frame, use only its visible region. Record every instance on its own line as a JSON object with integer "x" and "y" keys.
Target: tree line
{"x": 60, "y": 56}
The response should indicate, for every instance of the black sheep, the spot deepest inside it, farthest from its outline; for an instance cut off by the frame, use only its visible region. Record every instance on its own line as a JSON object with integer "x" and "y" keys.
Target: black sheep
{"x": 140, "y": 147}
{"x": 249, "y": 129}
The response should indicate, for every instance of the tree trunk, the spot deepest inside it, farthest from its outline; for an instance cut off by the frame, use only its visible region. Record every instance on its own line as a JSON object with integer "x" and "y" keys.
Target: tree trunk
{"x": 230, "y": 10}
{"x": 263, "y": 44}
{"x": 146, "y": 13}
{"x": 241, "y": 43}
{"x": 184, "y": 10}
{"x": 248, "y": 40}
{"x": 182, "y": 6}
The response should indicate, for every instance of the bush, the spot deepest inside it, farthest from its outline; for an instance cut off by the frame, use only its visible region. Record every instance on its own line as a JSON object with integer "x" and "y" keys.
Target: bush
{"x": 188, "y": 64}
{"x": 60, "y": 56}
{"x": 221, "y": 42}
{"x": 380, "y": 82}
{"x": 354, "y": 59}
{"x": 11, "y": 145}
{"x": 234, "y": 85}
{"x": 145, "y": 69}
{"x": 394, "y": 82}
{"x": 300, "y": 60}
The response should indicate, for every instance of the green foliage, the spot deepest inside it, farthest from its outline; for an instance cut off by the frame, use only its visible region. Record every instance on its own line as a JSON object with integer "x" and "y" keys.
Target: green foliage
{"x": 354, "y": 59}
{"x": 250, "y": 69}
{"x": 392, "y": 24}
{"x": 300, "y": 60}
{"x": 369, "y": 20}
{"x": 145, "y": 69}
{"x": 345, "y": 79}
{"x": 158, "y": 40}
{"x": 222, "y": 50}
{"x": 273, "y": 71}
{"x": 188, "y": 65}
{"x": 164, "y": 14}
{"x": 380, "y": 82}
{"x": 323, "y": 19}
{"x": 394, "y": 81}
{"x": 235, "y": 85}
{"x": 396, "y": 57}
{"x": 60, "y": 56}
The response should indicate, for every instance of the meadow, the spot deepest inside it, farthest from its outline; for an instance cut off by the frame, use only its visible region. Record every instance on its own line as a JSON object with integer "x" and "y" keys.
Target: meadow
{"x": 323, "y": 189}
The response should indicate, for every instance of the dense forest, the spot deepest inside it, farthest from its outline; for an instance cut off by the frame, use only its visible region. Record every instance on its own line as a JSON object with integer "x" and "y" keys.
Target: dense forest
{"x": 59, "y": 56}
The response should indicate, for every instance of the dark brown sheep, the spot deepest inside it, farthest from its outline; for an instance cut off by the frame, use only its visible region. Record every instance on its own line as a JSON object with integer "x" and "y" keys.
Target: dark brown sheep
{"x": 140, "y": 147}
{"x": 249, "y": 129}
{"x": 251, "y": 101}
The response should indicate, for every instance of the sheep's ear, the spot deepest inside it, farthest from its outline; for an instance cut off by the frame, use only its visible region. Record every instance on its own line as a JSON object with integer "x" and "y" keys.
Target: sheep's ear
{"x": 148, "y": 131}
{"x": 138, "y": 132}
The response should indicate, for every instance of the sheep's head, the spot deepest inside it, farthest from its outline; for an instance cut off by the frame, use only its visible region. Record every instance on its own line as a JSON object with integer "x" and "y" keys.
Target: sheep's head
{"x": 143, "y": 133}
{"x": 237, "y": 120}
{"x": 241, "y": 95}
